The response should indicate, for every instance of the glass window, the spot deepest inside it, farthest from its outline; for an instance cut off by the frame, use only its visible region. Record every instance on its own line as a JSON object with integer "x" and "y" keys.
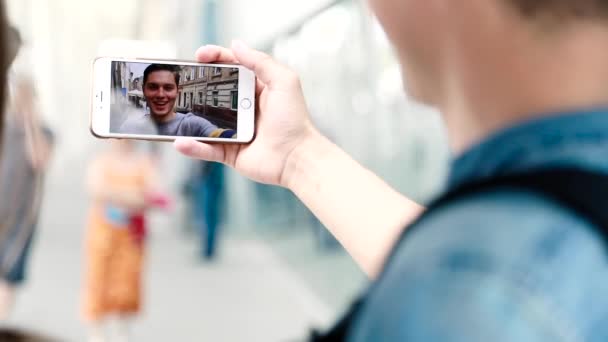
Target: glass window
{"x": 216, "y": 98}
{"x": 234, "y": 99}
{"x": 200, "y": 97}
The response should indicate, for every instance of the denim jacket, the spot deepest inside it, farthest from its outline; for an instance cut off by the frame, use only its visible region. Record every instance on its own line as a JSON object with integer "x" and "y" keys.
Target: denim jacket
{"x": 506, "y": 265}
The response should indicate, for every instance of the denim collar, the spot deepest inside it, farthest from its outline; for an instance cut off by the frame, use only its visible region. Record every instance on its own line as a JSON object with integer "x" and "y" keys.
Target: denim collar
{"x": 578, "y": 139}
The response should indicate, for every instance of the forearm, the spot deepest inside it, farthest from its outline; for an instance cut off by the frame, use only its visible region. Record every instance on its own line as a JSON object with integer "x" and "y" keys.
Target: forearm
{"x": 363, "y": 212}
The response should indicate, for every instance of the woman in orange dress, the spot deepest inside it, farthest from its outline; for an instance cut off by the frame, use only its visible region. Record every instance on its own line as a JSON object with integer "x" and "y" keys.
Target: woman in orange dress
{"x": 120, "y": 181}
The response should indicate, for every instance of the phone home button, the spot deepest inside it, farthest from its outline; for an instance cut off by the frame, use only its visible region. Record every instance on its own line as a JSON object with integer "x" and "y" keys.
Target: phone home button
{"x": 246, "y": 103}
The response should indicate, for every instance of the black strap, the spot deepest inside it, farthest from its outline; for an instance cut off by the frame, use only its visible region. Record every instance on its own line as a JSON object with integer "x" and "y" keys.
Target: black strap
{"x": 583, "y": 192}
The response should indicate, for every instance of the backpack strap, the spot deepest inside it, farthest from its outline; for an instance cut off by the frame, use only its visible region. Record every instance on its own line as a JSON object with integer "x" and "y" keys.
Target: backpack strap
{"x": 583, "y": 192}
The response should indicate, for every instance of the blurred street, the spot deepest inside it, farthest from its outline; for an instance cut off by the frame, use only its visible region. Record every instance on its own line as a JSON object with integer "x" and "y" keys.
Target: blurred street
{"x": 249, "y": 294}
{"x": 278, "y": 271}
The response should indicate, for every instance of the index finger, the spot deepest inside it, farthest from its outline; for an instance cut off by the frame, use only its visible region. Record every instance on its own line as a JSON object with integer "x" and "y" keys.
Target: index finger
{"x": 214, "y": 53}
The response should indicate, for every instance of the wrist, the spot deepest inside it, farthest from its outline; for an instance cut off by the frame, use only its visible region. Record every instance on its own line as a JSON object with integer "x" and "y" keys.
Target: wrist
{"x": 303, "y": 160}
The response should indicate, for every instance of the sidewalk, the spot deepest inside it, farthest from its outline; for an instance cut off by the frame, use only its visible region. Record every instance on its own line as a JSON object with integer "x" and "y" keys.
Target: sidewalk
{"x": 248, "y": 295}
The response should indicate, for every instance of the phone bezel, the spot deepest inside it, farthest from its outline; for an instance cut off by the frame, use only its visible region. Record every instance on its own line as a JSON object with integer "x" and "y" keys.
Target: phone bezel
{"x": 102, "y": 91}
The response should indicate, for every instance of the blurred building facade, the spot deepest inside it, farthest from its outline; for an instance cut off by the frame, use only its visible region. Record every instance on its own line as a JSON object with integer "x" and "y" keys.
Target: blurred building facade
{"x": 211, "y": 93}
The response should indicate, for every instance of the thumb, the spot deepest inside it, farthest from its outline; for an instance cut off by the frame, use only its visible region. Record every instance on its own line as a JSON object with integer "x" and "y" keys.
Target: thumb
{"x": 269, "y": 71}
{"x": 198, "y": 150}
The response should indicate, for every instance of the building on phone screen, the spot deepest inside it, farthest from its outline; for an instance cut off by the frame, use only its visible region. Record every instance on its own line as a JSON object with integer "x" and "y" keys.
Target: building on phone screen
{"x": 210, "y": 92}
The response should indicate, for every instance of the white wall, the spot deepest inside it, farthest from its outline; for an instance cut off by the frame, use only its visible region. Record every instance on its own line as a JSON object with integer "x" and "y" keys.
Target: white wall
{"x": 62, "y": 39}
{"x": 257, "y": 21}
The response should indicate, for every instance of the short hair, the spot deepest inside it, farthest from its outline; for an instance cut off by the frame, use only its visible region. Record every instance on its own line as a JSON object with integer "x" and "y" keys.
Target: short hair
{"x": 10, "y": 41}
{"x": 162, "y": 67}
{"x": 563, "y": 9}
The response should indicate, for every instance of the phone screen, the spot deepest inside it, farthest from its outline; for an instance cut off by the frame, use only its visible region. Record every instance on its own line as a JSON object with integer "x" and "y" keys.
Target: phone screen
{"x": 174, "y": 100}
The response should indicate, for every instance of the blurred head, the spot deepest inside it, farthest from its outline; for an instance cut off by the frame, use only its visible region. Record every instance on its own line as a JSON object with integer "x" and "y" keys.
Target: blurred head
{"x": 122, "y": 145}
{"x": 160, "y": 88}
{"x": 435, "y": 39}
{"x": 10, "y": 42}
{"x": 14, "y": 42}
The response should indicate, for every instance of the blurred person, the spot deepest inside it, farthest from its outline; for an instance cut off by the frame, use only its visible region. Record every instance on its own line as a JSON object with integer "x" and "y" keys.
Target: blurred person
{"x": 123, "y": 186}
{"x": 209, "y": 195}
{"x": 26, "y": 150}
{"x": 189, "y": 220}
{"x": 160, "y": 88}
{"x": 10, "y": 42}
{"x": 515, "y": 248}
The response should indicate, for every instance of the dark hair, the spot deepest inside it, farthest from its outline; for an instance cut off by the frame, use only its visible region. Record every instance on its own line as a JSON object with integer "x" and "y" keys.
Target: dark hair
{"x": 14, "y": 43}
{"x": 18, "y": 335}
{"x": 563, "y": 9}
{"x": 10, "y": 42}
{"x": 162, "y": 67}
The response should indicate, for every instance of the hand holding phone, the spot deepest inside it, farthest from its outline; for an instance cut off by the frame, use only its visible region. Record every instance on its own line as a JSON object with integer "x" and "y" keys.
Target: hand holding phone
{"x": 163, "y": 100}
{"x": 283, "y": 123}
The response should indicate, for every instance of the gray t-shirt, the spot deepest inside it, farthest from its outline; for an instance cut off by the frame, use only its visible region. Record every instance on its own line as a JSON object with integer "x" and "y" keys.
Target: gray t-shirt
{"x": 183, "y": 125}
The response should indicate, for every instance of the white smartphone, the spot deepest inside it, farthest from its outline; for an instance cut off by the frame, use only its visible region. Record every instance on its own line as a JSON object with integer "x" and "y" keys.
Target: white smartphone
{"x": 165, "y": 99}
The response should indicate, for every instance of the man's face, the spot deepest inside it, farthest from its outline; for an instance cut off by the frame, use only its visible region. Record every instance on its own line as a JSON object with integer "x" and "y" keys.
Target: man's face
{"x": 160, "y": 91}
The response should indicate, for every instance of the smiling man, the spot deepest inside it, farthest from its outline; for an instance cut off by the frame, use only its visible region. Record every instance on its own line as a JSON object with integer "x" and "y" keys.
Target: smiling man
{"x": 160, "y": 88}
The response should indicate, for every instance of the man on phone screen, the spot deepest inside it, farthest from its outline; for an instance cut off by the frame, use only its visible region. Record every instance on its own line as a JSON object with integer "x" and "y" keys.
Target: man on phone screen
{"x": 160, "y": 88}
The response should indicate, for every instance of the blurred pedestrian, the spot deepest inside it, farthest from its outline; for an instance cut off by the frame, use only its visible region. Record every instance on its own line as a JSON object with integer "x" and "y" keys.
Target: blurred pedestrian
{"x": 122, "y": 184}
{"x": 25, "y": 155}
{"x": 209, "y": 197}
{"x": 10, "y": 41}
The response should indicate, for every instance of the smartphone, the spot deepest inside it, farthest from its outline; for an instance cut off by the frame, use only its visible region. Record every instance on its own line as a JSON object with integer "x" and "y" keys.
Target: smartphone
{"x": 165, "y": 99}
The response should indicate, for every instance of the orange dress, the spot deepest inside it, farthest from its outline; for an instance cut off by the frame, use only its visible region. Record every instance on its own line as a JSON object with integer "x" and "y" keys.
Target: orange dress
{"x": 114, "y": 255}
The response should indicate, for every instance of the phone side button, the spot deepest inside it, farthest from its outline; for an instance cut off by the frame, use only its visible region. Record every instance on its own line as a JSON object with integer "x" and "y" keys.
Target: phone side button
{"x": 245, "y": 103}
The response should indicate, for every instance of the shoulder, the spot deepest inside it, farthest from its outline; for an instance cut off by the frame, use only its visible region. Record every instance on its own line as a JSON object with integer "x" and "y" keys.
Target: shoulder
{"x": 194, "y": 119}
{"x": 198, "y": 126}
{"x": 99, "y": 162}
{"x": 135, "y": 120}
{"x": 486, "y": 260}
{"x": 181, "y": 116}
{"x": 502, "y": 214}
{"x": 145, "y": 163}
{"x": 504, "y": 226}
